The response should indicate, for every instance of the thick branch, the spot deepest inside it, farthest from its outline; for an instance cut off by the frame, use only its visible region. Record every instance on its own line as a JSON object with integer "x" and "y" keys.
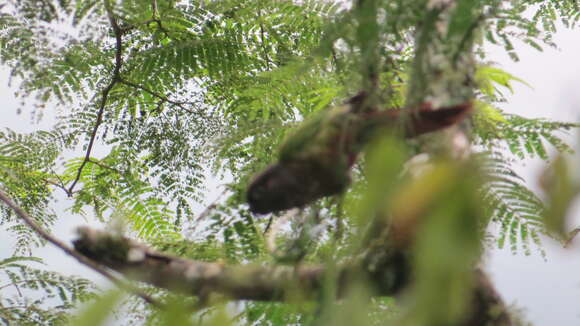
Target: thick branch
{"x": 250, "y": 282}
{"x": 306, "y": 173}
{"x": 244, "y": 282}
{"x": 71, "y": 252}
{"x": 386, "y": 269}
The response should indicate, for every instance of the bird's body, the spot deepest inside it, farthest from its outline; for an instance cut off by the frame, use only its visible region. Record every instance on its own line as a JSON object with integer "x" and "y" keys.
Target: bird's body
{"x": 315, "y": 159}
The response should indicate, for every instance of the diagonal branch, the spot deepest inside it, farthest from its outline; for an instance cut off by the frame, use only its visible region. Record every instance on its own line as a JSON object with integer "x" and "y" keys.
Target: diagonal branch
{"x": 71, "y": 252}
{"x": 105, "y": 93}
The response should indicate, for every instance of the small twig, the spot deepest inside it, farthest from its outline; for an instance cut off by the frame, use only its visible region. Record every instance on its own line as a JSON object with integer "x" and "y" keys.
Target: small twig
{"x": 205, "y": 212}
{"x": 210, "y": 207}
{"x": 156, "y": 18}
{"x": 93, "y": 135}
{"x": 12, "y": 308}
{"x": 58, "y": 185}
{"x": 154, "y": 9}
{"x": 338, "y": 65}
{"x": 18, "y": 290}
{"x": 159, "y": 106}
{"x": 104, "y": 166}
{"x": 71, "y": 252}
{"x": 105, "y": 94}
{"x": 339, "y": 232}
{"x": 157, "y": 95}
{"x": 262, "y": 38}
{"x": 15, "y": 284}
{"x": 466, "y": 37}
{"x": 268, "y": 225}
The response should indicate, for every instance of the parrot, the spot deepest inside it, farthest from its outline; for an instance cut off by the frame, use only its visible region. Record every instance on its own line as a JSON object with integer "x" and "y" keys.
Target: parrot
{"x": 314, "y": 160}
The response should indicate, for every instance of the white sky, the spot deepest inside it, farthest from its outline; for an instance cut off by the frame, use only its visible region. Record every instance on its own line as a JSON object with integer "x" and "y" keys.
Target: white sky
{"x": 548, "y": 290}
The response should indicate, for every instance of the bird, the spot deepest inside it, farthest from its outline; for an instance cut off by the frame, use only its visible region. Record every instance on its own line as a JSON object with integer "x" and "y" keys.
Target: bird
{"x": 314, "y": 161}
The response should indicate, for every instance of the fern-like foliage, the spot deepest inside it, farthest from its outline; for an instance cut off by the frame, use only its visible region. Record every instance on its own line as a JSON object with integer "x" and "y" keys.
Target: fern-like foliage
{"x": 531, "y": 22}
{"x": 26, "y": 173}
{"x": 517, "y": 210}
{"x": 121, "y": 194}
{"x": 529, "y": 137}
{"x": 30, "y": 296}
{"x": 524, "y": 137}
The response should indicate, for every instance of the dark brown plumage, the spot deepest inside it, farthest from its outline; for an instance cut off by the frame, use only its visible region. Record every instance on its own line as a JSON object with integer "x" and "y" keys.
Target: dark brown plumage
{"x": 315, "y": 160}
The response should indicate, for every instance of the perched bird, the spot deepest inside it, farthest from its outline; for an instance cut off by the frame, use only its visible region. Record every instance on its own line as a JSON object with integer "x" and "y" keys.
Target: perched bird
{"x": 314, "y": 161}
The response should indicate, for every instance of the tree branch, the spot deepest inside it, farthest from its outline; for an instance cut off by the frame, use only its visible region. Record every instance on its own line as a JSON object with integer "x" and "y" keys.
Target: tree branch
{"x": 157, "y": 95}
{"x": 105, "y": 93}
{"x": 387, "y": 270}
{"x": 71, "y": 252}
{"x": 250, "y": 282}
{"x": 243, "y": 282}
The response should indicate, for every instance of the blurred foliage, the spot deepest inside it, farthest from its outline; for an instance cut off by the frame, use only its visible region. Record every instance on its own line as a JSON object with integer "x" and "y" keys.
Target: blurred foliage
{"x": 561, "y": 183}
{"x": 98, "y": 311}
{"x": 209, "y": 90}
{"x": 32, "y": 296}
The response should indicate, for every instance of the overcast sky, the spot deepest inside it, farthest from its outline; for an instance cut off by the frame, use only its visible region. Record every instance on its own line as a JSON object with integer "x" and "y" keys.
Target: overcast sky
{"x": 548, "y": 289}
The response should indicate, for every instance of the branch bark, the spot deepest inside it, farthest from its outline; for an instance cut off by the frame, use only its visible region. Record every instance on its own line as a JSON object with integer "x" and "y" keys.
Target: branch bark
{"x": 387, "y": 270}
{"x": 190, "y": 277}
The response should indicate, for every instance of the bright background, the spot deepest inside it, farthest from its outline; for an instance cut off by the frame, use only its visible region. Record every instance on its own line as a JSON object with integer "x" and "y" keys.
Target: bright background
{"x": 548, "y": 289}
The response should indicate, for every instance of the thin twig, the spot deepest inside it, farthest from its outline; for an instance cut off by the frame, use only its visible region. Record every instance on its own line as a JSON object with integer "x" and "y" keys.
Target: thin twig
{"x": 467, "y": 36}
{"x": 71, "y": 252}
{"x": 105, "y": 94}
{"x": 262, "y": 39}
{"x": 210, "y": 207}
{"x": 104, "y": 166}
{"x": 157, "y": 95}
{"x": 21, "y": 282}
{"x": 155, "y": 18}
{"x": 58, "y": 185}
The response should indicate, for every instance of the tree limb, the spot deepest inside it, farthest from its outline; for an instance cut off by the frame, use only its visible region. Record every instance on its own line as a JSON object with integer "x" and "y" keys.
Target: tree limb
{"x": 243, "y": 282}
{"x": 71, "y": 252}
{"x": 385, "y": 268}
{"x": 105, "y": 93}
